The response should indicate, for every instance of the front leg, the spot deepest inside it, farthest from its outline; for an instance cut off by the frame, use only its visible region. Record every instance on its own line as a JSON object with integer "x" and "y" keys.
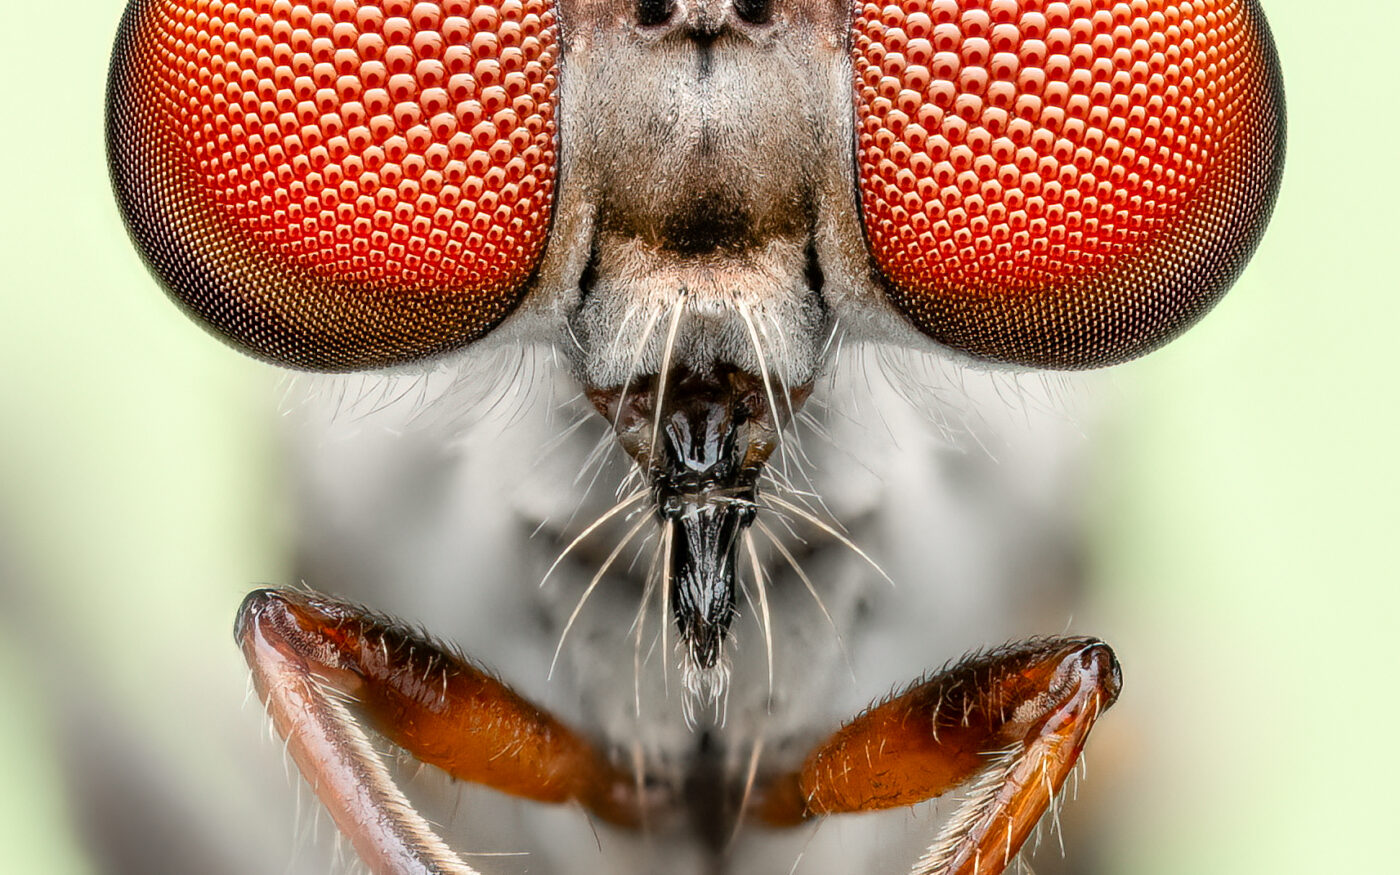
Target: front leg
{"x": 312, "y": 657}
{"x": 1014, "y": 719}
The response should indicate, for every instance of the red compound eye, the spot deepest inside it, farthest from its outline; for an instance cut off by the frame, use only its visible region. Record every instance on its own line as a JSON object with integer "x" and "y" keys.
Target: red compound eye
{"x": 337, "y": 184}
{"x": 1064, "y": 184}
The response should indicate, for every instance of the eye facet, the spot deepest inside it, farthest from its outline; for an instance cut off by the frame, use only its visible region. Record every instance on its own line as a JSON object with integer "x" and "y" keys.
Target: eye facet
{"x": 337, "y": 184}
{"x": 1064, "y": 184}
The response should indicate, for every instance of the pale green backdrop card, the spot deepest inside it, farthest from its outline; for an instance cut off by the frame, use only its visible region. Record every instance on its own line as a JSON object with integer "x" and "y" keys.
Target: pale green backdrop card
{"x": 1245, "y": 494}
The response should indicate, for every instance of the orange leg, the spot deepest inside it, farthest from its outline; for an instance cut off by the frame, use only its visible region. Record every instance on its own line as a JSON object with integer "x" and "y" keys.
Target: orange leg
{"x": 310, "y": 654}
{"x": 1014, "y": 719}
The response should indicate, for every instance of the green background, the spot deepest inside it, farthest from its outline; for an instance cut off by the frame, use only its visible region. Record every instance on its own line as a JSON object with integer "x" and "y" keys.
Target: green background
{"x": 1244, "y": 491}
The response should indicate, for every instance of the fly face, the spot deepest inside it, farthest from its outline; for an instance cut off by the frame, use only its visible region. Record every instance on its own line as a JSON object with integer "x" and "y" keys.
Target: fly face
{"x": 705, "y": 172}
{"x": 697, "y": 204}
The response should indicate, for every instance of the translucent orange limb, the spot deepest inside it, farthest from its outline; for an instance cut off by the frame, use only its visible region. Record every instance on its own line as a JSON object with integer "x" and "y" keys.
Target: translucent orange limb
{"x": 1012, "y": 722}
{"x": 314, "y": 659}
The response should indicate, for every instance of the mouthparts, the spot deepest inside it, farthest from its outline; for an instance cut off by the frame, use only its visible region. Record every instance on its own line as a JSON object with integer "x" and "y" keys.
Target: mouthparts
{"x": 703, "y": 439}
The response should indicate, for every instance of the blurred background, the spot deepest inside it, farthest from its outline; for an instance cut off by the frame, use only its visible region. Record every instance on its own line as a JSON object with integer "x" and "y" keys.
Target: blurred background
{"x": 1243, "y": 495}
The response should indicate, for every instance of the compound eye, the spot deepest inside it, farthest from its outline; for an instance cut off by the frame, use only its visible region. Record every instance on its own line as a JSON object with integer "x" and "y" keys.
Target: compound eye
{"x": 1064, "y": 184}
{"x": 337, "y": 184}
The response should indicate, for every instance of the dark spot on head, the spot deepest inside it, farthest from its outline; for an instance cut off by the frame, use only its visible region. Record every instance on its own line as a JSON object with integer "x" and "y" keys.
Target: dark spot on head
{"x": 754, "y": 11}
{"x": 707, "y": 223}
{"x": 651, "y": 13}
{"x": 588, "y": 278}
{"x": 704, "y": 56}
{"x": 813, "y": 270}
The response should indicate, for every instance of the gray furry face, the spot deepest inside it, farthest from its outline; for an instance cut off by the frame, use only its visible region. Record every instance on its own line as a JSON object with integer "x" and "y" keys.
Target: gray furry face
{"x": 707, "y": 160}
{"x": 707, "y": 208}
